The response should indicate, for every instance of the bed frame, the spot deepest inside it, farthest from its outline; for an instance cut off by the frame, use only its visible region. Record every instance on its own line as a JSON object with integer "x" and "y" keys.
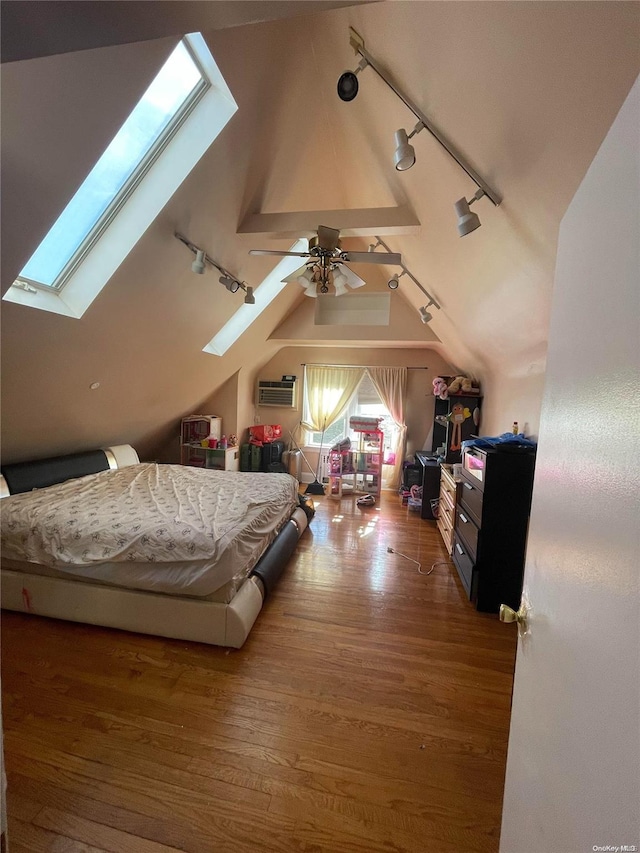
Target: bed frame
{"x": 162, "y": 615}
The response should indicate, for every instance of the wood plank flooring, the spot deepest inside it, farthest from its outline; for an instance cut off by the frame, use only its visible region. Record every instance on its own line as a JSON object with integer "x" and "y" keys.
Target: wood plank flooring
{"x": 368, "y": 712}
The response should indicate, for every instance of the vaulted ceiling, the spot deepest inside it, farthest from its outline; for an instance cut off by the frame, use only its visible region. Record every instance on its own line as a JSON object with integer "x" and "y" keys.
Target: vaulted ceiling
{"x": 525, "y": 90}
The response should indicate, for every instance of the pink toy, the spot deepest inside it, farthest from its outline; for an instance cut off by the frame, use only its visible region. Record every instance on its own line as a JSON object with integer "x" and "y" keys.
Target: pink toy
{"x": 440, "y": 388}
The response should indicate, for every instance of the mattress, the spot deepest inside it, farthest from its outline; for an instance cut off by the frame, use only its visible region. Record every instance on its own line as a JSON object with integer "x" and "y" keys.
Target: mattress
{"x": 162, "y": 528}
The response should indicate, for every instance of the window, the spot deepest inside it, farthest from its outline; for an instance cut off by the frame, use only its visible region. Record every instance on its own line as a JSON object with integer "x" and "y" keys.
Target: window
{"x": 365, "y": 402}
{"x": 182, "y": 111}
{"x": 175, "y": 90}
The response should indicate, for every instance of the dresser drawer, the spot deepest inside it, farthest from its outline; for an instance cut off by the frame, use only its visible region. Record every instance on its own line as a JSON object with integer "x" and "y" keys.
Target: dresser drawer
{"x": 446, "y": 531}
{"x": 447, "y": 503}
{"x": 471, "y": 498}
{"x": 467, "y": 531}
{"x": 463, "y": 563}
{"x": 447, "y": 482}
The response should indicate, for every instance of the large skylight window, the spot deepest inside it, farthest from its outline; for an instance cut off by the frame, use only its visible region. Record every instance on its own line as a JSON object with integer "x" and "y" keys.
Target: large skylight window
{"x": 183, "y": 110}
{"x": 175, "y": 89}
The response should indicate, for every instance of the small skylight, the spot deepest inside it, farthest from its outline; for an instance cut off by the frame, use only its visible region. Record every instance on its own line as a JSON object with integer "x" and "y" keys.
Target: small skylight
{"x": 264, "y": 295}
{"x": 181, "y": 113}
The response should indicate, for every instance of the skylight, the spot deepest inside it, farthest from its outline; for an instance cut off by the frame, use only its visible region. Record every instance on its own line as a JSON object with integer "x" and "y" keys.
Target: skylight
{"x": 181, "y": 113}
{"x": 244, "y": 316}
{"x": 174, "y": 90}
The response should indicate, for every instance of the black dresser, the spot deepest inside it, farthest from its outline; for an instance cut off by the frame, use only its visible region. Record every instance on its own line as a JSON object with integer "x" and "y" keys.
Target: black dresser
{"x": 491, "y": 524}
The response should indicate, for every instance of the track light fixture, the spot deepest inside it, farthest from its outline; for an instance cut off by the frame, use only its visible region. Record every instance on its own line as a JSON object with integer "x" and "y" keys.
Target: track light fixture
{"x": 394, "y": 282}
{"x": 467, "y": 221}
{"x": 198, "y": 265}
{"x": 232, "y": 284}
{"x": 404, "y": 156}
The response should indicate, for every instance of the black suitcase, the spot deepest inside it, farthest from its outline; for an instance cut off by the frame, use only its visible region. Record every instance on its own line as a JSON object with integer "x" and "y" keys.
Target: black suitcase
{"x": 255, "y": 461}
{"x": 245, "y": 457}
{"x": 272, "y": 457}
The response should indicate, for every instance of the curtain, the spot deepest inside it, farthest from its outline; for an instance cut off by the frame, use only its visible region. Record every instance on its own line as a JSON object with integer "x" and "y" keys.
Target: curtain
{"x": 391, "y": 384}
{"x": 328, "y": 391}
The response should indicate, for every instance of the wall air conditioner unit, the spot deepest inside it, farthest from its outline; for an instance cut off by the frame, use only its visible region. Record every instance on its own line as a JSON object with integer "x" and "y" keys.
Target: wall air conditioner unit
{"x": 281, "y": 394}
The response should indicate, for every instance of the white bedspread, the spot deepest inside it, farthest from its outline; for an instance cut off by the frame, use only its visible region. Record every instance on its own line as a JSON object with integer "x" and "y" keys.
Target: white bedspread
{"x": 169, "y": 528}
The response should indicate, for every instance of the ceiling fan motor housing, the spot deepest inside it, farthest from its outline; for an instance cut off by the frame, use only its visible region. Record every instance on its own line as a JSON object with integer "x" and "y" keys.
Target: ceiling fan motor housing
{"x": 317, "y": 249}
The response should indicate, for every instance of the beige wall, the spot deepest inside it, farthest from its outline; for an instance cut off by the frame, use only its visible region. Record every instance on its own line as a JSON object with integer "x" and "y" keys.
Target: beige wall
{"x": 508, "y": 399}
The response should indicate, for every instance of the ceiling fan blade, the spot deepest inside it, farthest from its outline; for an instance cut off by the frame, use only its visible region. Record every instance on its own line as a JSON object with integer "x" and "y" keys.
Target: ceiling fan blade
{"x": 392, "y": 258}
{"x": 328, "y": 237}
{"x": 279, "y": 254}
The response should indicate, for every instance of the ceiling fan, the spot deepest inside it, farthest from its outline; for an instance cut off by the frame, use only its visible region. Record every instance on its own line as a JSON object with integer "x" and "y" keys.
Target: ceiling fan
{"x": 327, "y": 263}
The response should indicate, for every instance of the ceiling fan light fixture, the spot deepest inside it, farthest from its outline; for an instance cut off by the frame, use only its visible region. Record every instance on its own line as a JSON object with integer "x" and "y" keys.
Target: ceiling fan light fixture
{"x": 198, "y": 265}
{"x": 405, "y": 155}
{"x": 354, "y": 281}
{"x": 305, "y": 278}
{"x": 311, "y": 289}
{"x": 339, "y": 279}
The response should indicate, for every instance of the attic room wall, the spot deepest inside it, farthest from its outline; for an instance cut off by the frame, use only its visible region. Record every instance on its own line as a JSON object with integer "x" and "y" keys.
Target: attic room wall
{"x": 142, "y": 338}
{"x": 420, "y": 401}
{"x": 477, "y": 69}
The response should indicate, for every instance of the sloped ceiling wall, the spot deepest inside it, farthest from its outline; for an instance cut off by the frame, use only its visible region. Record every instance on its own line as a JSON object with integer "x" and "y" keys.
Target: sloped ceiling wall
{"x": 526, "y": 90}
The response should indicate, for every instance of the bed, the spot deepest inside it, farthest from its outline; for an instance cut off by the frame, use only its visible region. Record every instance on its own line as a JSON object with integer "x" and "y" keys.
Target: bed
{"x": 170, "y": 550}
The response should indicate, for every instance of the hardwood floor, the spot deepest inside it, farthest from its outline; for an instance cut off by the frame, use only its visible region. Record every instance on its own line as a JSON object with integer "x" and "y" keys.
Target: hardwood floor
{"x": 368, "y": 712}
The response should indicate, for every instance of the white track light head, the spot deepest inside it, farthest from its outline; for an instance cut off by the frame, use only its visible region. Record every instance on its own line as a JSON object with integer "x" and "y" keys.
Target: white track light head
{"x": 249, "y": 298}
{"x": 230, "y": 283}
{"x": 405, "y": 155}
{"x": 425, "y": 316}
{"x": 467, "y": 221}
{"x": 394, "y": 282}
{"x": 198, "y": 265}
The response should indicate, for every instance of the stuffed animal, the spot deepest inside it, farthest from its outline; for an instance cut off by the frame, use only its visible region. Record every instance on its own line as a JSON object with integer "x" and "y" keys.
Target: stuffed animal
{"x": 440, "y": 388}
{"x": 461, "y": 385}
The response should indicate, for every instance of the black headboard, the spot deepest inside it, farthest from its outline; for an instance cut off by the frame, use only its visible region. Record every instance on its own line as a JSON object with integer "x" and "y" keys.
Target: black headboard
{"x": 26, "y": 476}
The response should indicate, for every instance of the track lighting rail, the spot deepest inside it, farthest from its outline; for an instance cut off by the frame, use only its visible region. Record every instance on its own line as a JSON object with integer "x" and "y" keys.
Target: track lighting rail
{"x": 227, "y": 280}
{"x": 357, "y": 43}
{"x": 405, "y": 271}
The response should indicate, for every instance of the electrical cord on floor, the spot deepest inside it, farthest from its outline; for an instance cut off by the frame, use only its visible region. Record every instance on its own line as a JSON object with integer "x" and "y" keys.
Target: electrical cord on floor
{"x": 419, "y": 565}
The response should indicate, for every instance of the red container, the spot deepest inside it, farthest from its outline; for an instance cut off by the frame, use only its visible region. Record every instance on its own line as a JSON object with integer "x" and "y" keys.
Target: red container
{"x": 265, "y": 432}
